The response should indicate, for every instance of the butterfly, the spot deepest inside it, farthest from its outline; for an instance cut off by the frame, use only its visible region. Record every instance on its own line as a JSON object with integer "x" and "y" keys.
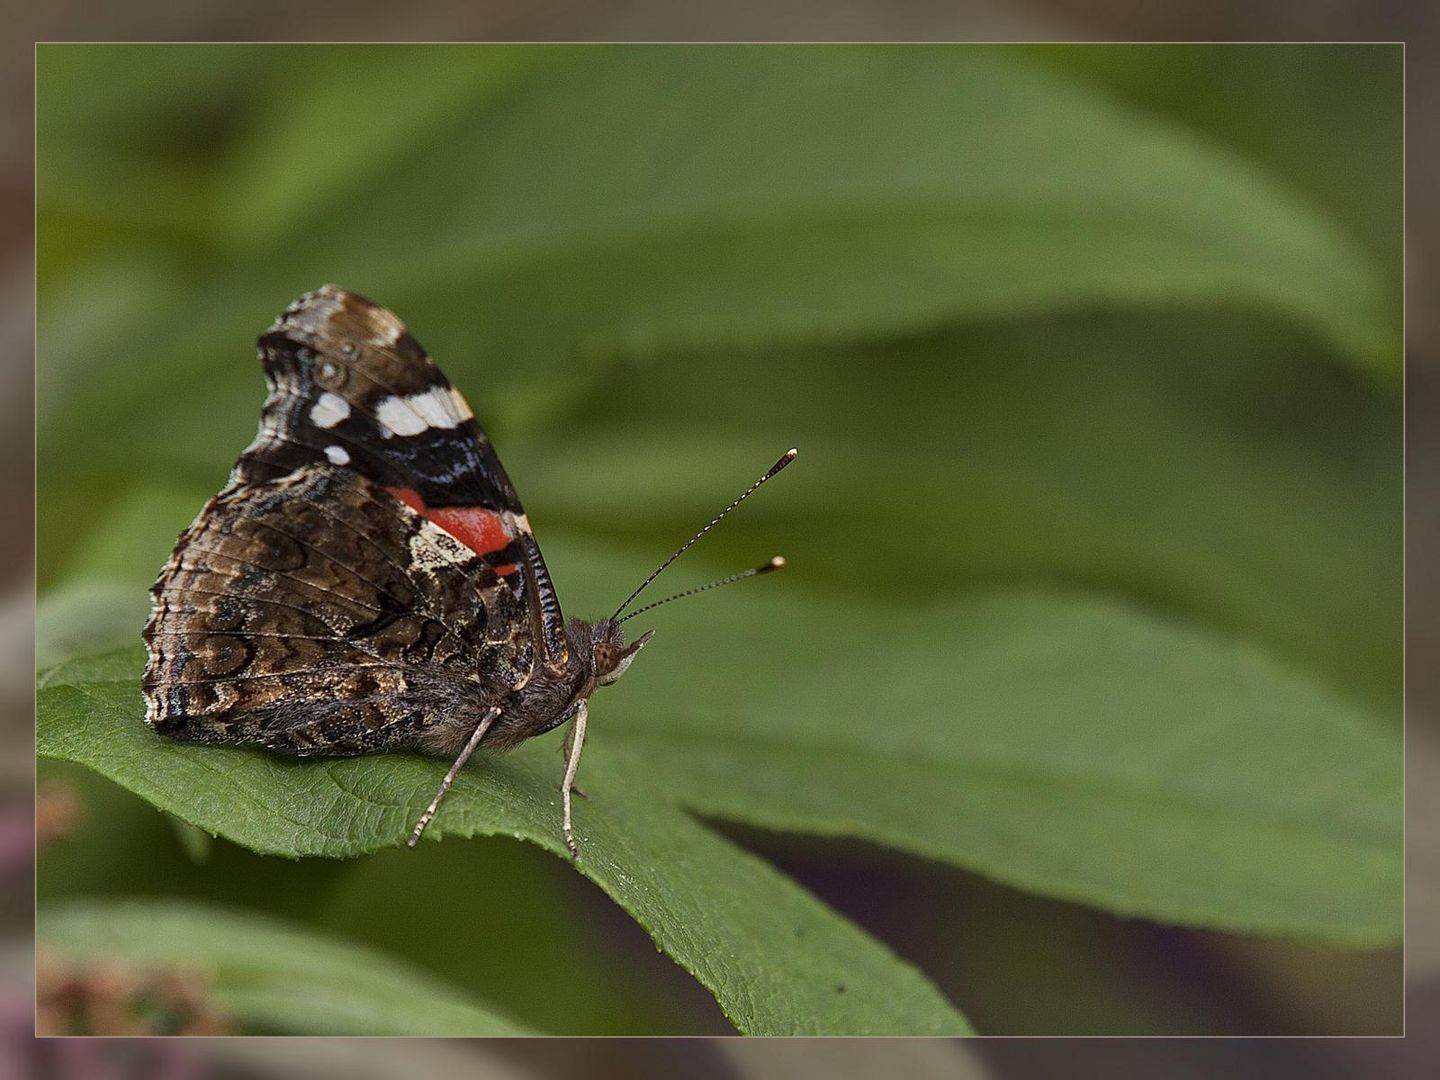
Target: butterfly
{"x": 367, "y": 580}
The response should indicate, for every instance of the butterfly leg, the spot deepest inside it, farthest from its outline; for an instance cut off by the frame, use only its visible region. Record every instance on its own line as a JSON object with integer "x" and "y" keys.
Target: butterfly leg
{"x": 574, "y": 741}
{"x": 479, "y": 733}
{"x": 565, "y": 754}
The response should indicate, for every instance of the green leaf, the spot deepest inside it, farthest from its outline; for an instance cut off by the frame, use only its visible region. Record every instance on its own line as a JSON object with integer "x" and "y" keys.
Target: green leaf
{"x": 270, "y": 975}
{"x": 776, "y": 960}
{"x": 776, "y": 196}
{"x": 833, "y": 193}
{"x": 1072, "y": 747}
{"x": 522, "y": 932}
{"x": 196, "y": 843}
{"x": 373, "y": 96}
{"x": 1264, "y": 99}
{"x": 1204, "y": 466}
{"x": 87, "y": 616}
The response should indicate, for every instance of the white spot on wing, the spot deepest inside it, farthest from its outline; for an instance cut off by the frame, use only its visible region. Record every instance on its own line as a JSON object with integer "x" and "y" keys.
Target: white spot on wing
{"x": 398, "y": 418}
{"x": 337, "y": 455}
{"x": 436, "y": 406}
{"x": 432, "y": 548}
{"x": 329, "y": 410}
{"x": 433, "y": 408}
{"x": 462, "y": 407}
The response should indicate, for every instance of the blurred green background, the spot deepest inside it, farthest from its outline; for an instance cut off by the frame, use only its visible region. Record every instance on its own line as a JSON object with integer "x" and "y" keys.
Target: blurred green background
{"x": 1117, "y": 321}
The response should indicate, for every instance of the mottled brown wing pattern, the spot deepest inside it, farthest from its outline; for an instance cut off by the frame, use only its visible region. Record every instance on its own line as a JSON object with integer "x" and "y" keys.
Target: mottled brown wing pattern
{"x": 368, "y": 580}
{"x": 314, "y": 614}
{"x": 351, "y": 386}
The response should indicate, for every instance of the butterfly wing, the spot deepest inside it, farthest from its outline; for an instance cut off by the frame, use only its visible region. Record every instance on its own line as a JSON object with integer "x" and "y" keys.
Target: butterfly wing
{"x": 350, "y": 386}
{"x": 308, "y": 615}
{"x": 367, "y": 578}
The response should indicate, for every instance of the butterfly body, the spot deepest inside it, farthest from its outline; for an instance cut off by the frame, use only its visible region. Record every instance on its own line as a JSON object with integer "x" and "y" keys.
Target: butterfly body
{"x": 367, "y": 580}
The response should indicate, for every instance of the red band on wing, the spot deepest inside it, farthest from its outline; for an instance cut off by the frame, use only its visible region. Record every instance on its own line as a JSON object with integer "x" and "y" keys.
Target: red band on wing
{"x": 482, "y": 531}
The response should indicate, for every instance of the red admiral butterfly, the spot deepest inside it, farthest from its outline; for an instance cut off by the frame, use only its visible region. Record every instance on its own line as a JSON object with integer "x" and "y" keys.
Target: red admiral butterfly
{"x": 367, "y": 579}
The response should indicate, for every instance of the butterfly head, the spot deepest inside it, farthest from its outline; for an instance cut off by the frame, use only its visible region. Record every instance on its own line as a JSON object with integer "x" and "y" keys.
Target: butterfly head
{"x": 609, "y": 655}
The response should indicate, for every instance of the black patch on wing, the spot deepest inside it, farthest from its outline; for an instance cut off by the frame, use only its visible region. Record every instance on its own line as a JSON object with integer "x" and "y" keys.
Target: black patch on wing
{"x": 448, "y": 466}
{"x": 335, "y": 364}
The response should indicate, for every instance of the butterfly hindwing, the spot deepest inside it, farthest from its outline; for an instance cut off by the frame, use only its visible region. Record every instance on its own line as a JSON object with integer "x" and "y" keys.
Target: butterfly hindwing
{"x": 309, "y": 615}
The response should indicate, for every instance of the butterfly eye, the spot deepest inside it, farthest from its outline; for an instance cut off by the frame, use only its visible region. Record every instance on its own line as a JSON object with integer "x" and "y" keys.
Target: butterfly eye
{"x": 606, "y": 657}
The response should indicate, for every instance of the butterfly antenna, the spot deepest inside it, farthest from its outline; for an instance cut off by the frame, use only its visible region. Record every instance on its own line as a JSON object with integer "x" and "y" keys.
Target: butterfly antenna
{"x": 785, "y": 459}
{"x": 774, "y": 564}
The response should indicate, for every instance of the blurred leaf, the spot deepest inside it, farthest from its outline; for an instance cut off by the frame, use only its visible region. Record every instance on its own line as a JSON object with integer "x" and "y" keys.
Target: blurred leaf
{"x": 1201, "y": 465}
{"x": 1287, "y": 106}
{"x": 712, "y": 198}
{"x": 154, "y": 99}
{"x": 87, "y": 616}
{"x": 270, "y": 975}
{"x": 1074, "y": 748}
{"x": 351, "y": 116}
{"x": 521, "y": 931}
{"x": 196, "y": 843}
{"x": 633, "y": 201}
{"x": 134, "y": 137}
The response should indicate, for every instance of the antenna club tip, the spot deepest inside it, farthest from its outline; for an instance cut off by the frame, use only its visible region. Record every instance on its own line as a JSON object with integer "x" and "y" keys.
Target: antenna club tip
{"x": 785, "y": 459}
{"x": 775, "y": 563}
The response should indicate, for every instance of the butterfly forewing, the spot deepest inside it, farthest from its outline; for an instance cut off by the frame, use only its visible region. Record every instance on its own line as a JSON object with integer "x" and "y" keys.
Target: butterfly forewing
{"x": 367, "y": 579}
{"x": 350, "y": 386}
